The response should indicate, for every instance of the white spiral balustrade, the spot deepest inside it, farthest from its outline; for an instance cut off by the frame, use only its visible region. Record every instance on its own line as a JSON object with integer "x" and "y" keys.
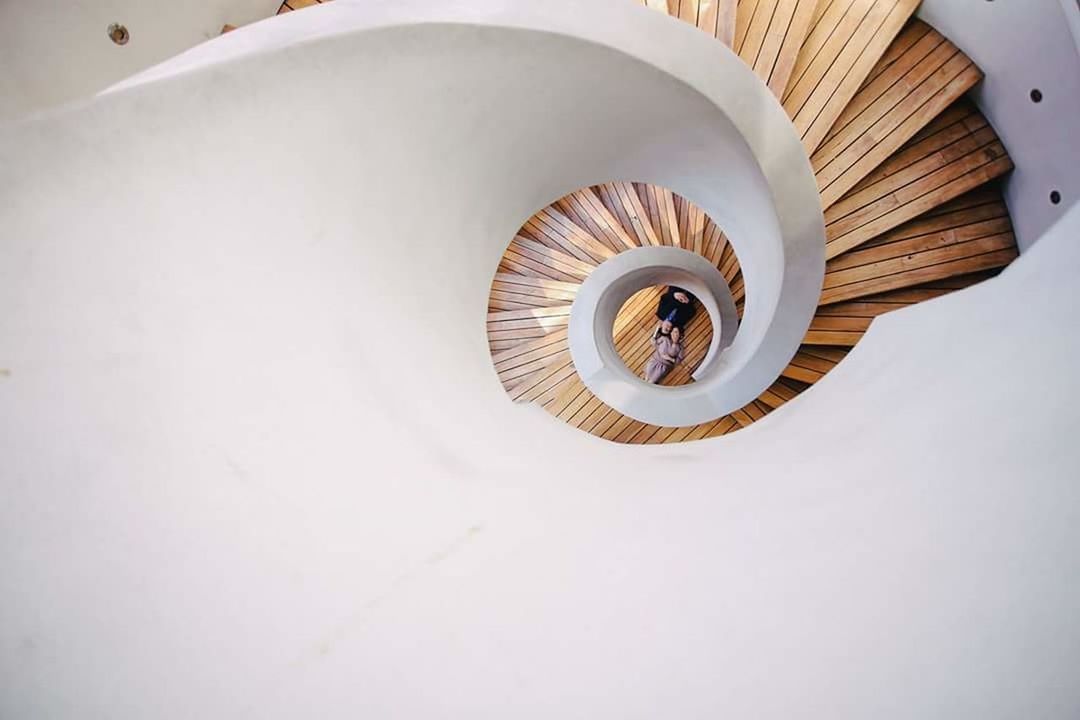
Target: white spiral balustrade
{"x": 257, "y": 463}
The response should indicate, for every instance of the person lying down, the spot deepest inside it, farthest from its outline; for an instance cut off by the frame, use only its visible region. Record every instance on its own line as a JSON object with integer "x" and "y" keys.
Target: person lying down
{"x": 667, "y": 352}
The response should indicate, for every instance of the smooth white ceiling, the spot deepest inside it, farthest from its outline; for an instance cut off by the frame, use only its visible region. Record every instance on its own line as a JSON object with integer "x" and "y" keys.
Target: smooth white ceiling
{"x": 225, "y": 495}
{"x": 57, "y": 51}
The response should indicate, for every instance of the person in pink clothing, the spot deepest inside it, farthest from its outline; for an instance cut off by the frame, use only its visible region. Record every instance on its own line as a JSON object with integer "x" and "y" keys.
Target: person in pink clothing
{"x": 667, "y": 354}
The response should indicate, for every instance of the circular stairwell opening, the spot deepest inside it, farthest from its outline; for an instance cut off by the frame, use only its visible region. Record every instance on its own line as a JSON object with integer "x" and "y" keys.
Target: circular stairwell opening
{"x": 662, "y": 333}
{"x": 801, "y": 317}
{"x": 558, "y": 249}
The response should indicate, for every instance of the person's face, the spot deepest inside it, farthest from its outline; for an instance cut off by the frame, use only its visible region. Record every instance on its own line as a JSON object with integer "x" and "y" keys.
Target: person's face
{"x": 681, "y": 297}
{"x": 665, "y": 327}
{"x": 675, "y": 334}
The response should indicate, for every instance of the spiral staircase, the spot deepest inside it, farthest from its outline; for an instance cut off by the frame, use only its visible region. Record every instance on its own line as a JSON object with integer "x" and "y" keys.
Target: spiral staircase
{"x": 265, "y": 310}
{"x": 905, "y": 164}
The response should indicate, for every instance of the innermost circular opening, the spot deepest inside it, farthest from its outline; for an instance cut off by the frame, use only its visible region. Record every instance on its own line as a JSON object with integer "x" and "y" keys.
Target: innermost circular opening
{"x": 661, "y": 338}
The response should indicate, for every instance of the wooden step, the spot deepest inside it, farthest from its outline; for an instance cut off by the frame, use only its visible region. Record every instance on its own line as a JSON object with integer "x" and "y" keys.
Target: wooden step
{"x": 715, "y": 17}
{"x": 622, "y": 201}
{"x": 550, "y": 227}
{"x": 812, "y": 362}
{"x": 526, "y": 256}
{"x": 536, "y": 386}
{"x": 509, "y": 328}
{"x": 510, "y": 291}
{"x": 782, "y": 391}
{"x": 751, "y": 413}
{"x": 659, "y": 205}
{"x": 844, "y": 324}
{"x": 970, "y": 234}
{"x": 956, "y": 153}
{"x": 540, "y": 287}
{"x": 769, "y": 35}
{"x": 715, "y": 243}
{"x": 846, "y": 40}
{"x": 691, "y": 223}
{"x": 920, "y": 76}
{"x": 586, "y": 209}
{"x": 517, "y": 363}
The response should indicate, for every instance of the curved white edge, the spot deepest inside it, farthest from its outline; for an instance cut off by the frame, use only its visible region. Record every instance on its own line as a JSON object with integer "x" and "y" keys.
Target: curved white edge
{"x": 222, "y": 501}
{"x": 757, "y": 183}
{"x": 592, "y": 345}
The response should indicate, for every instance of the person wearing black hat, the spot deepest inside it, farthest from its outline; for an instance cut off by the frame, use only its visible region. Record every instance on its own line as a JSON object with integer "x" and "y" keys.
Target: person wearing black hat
{"x": 676, "y": 306}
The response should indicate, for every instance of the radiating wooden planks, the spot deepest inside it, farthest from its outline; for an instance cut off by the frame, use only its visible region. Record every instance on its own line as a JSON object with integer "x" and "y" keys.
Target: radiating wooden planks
{"x": 845, "y": 42}
{"x": 691, "y": 221}
{"x": 508, "y": 328}
{"x": 956, "y": 153}
{"x": 515, "y": 364}
{"x": 552, "y": 228}
{"x": 782, "y": 391}
{"x": 909, "y": 217}
{"x": 715, "y": 17}
{"x": 919, "y": 77}
{"x": 811, "y": 363}
{"x": 510, "y": 291}
{"x": 659, "y": 205}
{"x": 769, "y": 35}
{"x": 844, "y": 323}
{"x": 587, "y": 210}
{"x": 718, "y": 17}
{"x": 622, "y": 201}
{"x": 526, "y": 256}
{"x": 970, "y": 234}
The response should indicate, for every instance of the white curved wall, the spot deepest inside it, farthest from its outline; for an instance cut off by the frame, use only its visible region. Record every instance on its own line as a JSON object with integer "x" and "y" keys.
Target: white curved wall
{"x": 1021, "y": 45}
{"x": 602, "y": 369}
{"x": 222, "y": 500}
{"x": 57, "y": 51}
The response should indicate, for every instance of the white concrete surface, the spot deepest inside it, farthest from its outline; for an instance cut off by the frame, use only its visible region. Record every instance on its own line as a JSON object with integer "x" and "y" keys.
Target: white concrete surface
{"x": 223, "y": 496}
{"x": 57, "y": 51}
{"x": 598, "y": 363}
{"x": 732, "y": 150}
{"x": 1021, "y": 45}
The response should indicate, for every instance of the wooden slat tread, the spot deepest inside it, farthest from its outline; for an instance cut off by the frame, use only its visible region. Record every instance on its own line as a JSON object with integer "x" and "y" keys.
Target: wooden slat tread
{"x": 769, "y": 35}
{"x": 846, "y": 41}
{"x": 905, "y": 166}
{"x": 956, "y": 153}
{"x": 921, "y": 76}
